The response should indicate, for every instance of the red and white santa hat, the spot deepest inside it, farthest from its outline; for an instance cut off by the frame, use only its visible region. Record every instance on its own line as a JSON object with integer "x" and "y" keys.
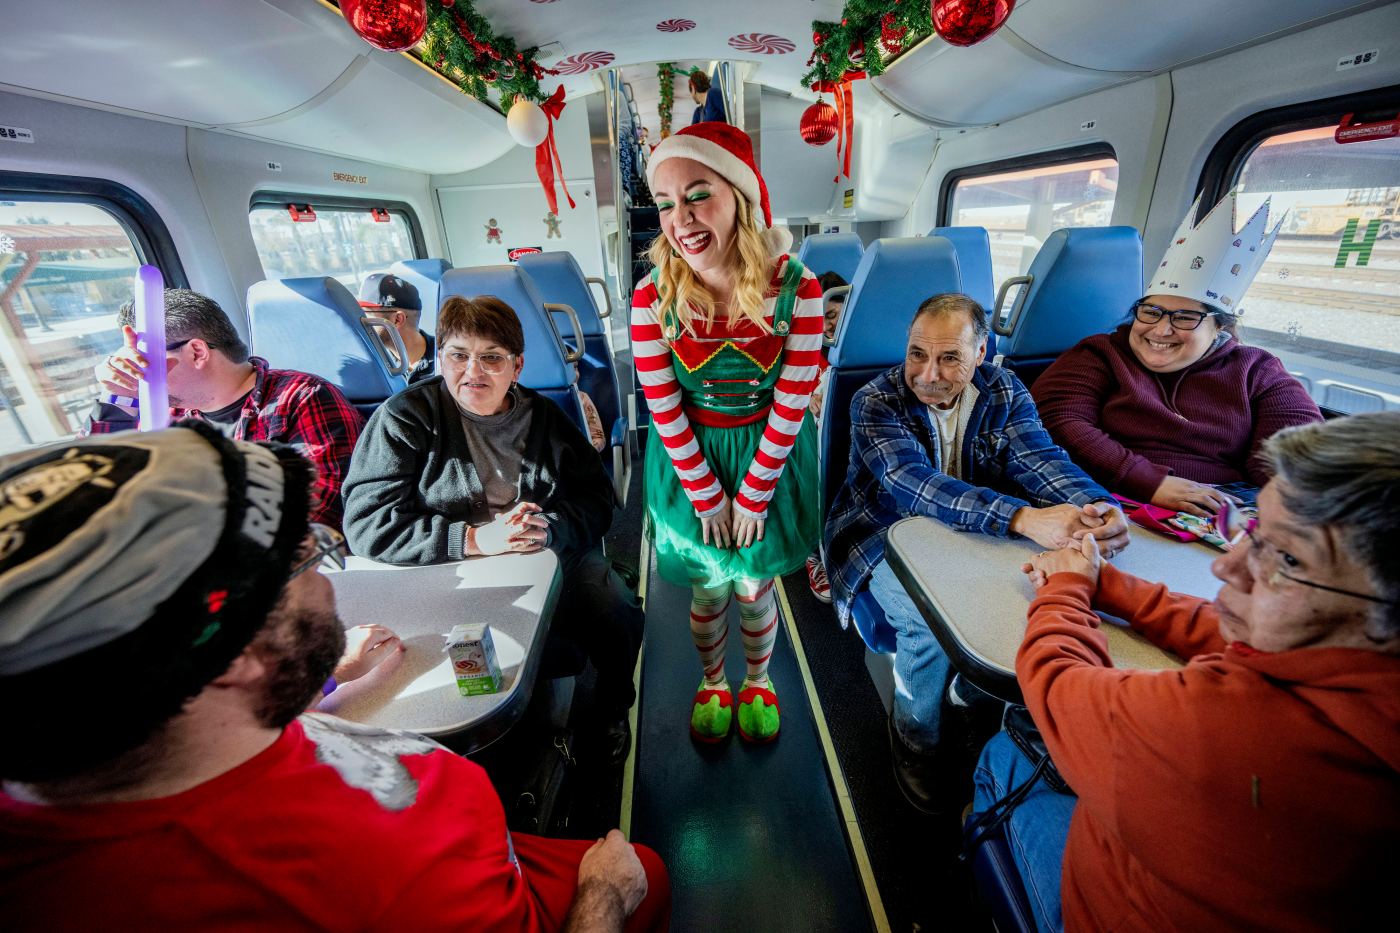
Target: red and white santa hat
{"x": 729, "y": 151}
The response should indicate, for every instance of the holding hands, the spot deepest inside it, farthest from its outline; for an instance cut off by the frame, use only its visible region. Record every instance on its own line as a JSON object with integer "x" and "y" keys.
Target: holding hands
{"x": 1082, "y": 558}
{"x": 1060, "y": 526}
{"x": 522, "y": 530}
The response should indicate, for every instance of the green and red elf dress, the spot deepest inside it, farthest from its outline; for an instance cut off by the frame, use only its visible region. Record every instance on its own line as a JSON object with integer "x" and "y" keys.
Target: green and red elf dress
{"x": 729, "y": 417}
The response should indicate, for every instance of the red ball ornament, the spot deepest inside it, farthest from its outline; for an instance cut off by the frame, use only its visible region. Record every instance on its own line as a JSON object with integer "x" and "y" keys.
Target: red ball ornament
{"x": 391, "y": 25}
{"x": 818, "y": 124}
{"x": 968, "y": 22}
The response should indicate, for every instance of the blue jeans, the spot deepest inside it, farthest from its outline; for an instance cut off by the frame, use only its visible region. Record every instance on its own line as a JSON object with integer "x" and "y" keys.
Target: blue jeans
{"x": 921, "y": 669}
{"x": 1036, "y": 830}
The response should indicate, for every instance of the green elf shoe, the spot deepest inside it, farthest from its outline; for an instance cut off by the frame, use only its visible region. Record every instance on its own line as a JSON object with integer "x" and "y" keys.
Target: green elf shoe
{"x": 758, "y": 714}
{"x": 711, "y": 713}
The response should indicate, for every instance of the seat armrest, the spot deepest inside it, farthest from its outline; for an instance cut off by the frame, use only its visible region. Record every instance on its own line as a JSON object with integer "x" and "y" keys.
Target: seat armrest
{"x": 619, "y": 433}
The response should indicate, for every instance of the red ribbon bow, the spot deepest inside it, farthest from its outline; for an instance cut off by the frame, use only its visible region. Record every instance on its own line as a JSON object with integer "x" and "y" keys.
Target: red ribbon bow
{"x": 547, "y": 153}
{"x": 840, "y": 92}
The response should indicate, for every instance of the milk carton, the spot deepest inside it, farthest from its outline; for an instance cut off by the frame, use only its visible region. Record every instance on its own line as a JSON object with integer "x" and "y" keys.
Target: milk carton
{"x": 473, "y": 658}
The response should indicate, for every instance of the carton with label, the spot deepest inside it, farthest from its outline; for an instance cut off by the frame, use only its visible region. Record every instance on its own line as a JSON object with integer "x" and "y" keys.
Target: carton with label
{"x": 473, "y": 658}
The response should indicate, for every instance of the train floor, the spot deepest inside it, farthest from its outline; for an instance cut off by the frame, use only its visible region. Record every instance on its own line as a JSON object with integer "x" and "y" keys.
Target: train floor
{"x": 808, "y": 833}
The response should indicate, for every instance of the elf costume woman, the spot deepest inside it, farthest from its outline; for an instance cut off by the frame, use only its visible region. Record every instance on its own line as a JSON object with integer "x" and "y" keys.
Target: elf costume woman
{"x": 727, "y": 337}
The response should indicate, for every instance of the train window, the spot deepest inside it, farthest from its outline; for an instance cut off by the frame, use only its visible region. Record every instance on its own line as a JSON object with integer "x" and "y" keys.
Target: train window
{"x": 1022, "y": 201}
{"x": 346, "y": 241}
{"x": 66, "y": 266}
{"x": 1327, "y": 300}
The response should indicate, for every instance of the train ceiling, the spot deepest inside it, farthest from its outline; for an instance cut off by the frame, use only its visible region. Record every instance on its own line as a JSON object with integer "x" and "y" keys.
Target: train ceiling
{"x": 291, "y": 71}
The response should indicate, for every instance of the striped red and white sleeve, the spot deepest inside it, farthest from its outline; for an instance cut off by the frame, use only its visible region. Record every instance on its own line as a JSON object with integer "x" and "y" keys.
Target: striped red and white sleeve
{"x": 652, "y": 357}
{"x": 802, "y": 356}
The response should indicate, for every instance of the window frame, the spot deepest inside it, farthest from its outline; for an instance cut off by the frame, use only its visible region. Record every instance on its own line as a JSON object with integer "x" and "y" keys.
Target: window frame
{"x": 280, "y": 199}
{"x": 1227, "y": 157}
{"x": 133, "y": 213}
{"x": 1083, "y": 153}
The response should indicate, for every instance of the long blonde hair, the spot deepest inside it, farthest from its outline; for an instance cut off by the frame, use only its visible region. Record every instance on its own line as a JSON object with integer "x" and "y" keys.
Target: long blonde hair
{"x": 682, "y": 289}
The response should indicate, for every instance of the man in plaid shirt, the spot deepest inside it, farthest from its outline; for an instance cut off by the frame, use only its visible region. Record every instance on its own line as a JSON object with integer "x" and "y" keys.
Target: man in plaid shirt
{"x": 212, "y": 377}
{"x": 951, "y": 437}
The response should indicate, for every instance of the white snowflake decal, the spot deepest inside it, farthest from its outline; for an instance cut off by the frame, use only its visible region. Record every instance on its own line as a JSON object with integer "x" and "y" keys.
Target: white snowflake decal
{"x": 7, "y": 244}
{"x": 368, "y": 758}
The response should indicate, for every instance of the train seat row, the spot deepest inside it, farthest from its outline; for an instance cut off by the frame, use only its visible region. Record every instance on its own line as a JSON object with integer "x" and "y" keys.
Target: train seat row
{"x": 549, "y": 292}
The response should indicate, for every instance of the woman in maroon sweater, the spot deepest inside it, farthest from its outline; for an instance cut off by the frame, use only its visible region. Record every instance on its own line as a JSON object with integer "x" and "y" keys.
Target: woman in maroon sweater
{"x": 1171, "y": 404}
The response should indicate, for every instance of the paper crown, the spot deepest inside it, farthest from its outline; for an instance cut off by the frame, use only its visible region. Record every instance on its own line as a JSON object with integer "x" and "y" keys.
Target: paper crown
{"x": 1212, "y": 262}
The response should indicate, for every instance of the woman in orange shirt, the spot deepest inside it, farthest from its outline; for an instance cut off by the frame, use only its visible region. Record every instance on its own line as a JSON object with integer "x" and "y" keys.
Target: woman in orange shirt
{"x": 1259, "y": 786}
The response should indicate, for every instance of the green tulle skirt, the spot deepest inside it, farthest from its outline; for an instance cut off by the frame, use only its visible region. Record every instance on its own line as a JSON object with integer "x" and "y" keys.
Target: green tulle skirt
{"x": 790, "y": 532}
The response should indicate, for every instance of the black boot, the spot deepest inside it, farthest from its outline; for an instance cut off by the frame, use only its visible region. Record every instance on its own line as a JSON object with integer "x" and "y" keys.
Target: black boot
{"x": 615, "y": 740}
{"x": 916, "y": 773}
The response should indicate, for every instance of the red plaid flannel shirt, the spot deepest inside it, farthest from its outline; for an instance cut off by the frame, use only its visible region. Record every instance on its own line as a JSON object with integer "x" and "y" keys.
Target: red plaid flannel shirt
{"x": 298, "y": 409}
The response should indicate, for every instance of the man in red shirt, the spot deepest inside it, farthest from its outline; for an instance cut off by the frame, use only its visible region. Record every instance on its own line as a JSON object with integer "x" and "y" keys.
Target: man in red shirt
{"x": 162, "y": 628}
{"x": 1259, "y": 786}
{"x": 212, "y": 377}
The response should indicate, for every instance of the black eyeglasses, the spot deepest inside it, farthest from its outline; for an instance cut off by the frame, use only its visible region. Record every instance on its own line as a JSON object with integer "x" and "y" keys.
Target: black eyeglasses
{"x": 1265, "y": 561}
{"x": 178, "y": 344}
{"x": 1179, "y": 320}
{"x": 326, "y": 544}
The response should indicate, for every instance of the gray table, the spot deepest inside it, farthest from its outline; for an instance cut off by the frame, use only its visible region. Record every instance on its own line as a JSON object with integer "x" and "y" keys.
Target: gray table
{"x": 970, "y": 589}
{"x": 515, "y": 593}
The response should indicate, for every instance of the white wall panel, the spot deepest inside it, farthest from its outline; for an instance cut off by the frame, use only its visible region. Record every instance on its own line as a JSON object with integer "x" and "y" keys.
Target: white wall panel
{"x": 144, "y": 155}
{"x": 520, "y": 211}
{"x": 1130, "y": 118}
{"x": 229, "y": 170}
{"x": 1213, "y": 96}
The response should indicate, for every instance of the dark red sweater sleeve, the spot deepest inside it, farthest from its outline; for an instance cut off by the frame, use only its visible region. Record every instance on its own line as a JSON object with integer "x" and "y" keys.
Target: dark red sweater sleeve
{"x": 1279, "y": 402}
{"x": 1070, "y": 397}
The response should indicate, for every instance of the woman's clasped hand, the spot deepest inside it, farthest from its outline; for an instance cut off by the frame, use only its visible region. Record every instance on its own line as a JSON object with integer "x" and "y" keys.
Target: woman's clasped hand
{"x": 522, "y": 530}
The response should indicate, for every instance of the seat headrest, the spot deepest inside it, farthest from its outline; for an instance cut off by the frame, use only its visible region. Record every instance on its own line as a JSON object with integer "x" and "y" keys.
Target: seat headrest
{"x": 1083, "y": 281}
{"x": 545, "y": 367}
{"x": 313, "y": 325}
{"x": 559, "y": 279}
{"x": 832, "y": 252}
{"x": 426, "y": 276}
{"x": 894, "y": 278}
{"x": 974, "y": 249}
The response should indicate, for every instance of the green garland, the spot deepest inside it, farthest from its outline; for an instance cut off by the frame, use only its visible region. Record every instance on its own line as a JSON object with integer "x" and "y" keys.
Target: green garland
{"x": 666, "y": 74}
{"x": 460, "y": 45}
{"x": 863, "y": 26}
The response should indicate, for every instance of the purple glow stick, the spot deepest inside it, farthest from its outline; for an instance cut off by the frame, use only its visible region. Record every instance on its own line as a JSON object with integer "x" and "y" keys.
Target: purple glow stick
{"x": 152, "y": 392}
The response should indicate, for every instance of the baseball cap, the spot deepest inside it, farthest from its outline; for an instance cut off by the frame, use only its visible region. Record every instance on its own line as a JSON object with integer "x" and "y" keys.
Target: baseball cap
{"x": 180, "y": 540}
{"x": 382, "y": 290}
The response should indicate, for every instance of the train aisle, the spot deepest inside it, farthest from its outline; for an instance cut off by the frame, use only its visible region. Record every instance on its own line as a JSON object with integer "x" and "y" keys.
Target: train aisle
{"x": 752, "y": 834}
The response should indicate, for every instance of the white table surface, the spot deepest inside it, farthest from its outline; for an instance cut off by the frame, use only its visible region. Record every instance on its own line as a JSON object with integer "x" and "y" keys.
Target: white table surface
{"x": 418, "y": 691}
{"x": 975, "y": 593}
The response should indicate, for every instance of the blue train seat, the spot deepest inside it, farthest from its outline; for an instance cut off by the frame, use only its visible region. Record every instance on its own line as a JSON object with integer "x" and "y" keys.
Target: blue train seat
{"x": 426, "y": 276}
{"x": 1082, "y": 282}
{"x": 893, "y": 279}
{"x": 548, "y": 370}
{"x": 999, "y": 886}
{"x": 316, "y": 326}
{"x": 560, "y": 281}
{"x": 974, "y": 249}
{"x": 832, "y": 252}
